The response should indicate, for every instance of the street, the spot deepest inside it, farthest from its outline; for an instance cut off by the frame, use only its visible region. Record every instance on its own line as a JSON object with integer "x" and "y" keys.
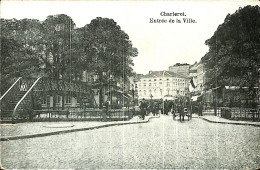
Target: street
{"x": 160, "y": 143}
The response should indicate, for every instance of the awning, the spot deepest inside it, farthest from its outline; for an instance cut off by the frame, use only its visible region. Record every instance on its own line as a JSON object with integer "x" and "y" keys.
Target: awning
{"x": 168, "y": 97}
{"x": 194, "y": 98}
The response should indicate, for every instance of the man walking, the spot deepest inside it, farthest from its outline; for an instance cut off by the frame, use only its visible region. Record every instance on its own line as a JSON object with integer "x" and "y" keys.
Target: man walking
{"x": 143, "y": 108}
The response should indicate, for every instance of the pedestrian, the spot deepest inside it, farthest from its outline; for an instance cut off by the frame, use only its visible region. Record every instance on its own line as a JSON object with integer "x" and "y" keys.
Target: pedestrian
{"x": 173, "y": 110}
{"x": 143, "y": 108}
{"x": 170, "y": 105}
{"x": 106, "y": 110}
{"x": 181, "y": 112}
{"x": 200, "y": 108}
{"x": 156, "y": 108}
{"x": 151, "y": 107}
{"x": 165, "y": 105}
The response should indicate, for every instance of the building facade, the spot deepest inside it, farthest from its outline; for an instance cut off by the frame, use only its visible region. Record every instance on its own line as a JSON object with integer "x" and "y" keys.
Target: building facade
{"x": 180, "y": 68}
{"x": 197, "y": 76}
{"x": 200, "y": 77}
{"x": 162, "y": 85}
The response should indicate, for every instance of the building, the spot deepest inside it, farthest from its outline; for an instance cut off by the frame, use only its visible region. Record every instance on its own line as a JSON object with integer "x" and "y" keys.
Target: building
{"x": 162, "y": 85}
{"x": 180, "y": 68}
{"x": 134, "y": 87}
{"x": 197, "y": 76}
{"x": 200, "y": 77}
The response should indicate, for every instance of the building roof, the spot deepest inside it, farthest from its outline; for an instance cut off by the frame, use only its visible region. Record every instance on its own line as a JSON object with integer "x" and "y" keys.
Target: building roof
{"x": 157, "y": 74}
{"x": 180, "y": 64}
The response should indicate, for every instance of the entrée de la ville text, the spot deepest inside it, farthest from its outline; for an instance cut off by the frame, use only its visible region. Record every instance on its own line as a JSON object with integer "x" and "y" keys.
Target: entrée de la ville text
{"x": 181, "y": 18}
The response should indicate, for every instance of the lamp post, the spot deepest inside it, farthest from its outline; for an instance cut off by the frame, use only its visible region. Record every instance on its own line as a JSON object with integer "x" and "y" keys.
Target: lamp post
{"x": 110, "y": 89}
{"x": 133, "y": 93}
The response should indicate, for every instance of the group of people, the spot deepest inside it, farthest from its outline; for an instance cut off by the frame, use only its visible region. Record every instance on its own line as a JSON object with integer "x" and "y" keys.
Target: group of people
{"x": 153, "y": 107}
{"x": 164, "y": 107}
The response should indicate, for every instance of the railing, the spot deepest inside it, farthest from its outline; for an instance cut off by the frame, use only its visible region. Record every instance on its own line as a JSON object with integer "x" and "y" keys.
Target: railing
{"x": 15, "y": 83}
{"x": 8, "y": 99}
{"x": 240, "y": 113}
{"x": 90, "y": 114}
{"x": 25, "y": 103}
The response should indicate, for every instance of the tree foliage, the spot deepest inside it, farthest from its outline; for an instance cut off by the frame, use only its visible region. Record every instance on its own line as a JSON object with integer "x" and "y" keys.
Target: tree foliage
{"x": 57, "y": 49}
{"x": 108, "y": 48}
{"x": 57, "y": 46}
{"x": 18, "y": 50}
{"x": 234, "y": 52}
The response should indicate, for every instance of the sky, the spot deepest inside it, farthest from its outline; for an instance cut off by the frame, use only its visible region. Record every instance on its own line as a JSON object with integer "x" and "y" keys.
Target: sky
{"x": 160, "y": 45}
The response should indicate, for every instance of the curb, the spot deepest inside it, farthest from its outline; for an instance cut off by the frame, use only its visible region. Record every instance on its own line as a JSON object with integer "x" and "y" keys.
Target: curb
{"x": 234, "y": 123}
{"x": 8, "y": 138}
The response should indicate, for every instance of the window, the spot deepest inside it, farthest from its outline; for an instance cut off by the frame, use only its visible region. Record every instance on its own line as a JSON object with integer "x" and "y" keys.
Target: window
{"x": 58, "y": 99}
{"x": 67, "y": 100}
{"x": 144, "y": 84}
{"x": 150, "y": 84}
{"x": 154, "y": 79}
{"x": 44, "y": 100}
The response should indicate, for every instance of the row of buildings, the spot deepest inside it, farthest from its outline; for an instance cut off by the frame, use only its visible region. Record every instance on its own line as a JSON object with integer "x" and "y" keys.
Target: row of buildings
{"x": 166, "y": 84}
{"x": 178, "y": 80}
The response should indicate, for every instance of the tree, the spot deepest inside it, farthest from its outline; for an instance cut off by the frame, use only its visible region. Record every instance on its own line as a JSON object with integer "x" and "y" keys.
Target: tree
{"x": 234, "y": 49}
{"x": 57, "y": 41}
{"x": 17, "y": 56}
{"x": 109, "y": 50}
{"x": 233, "y": 57}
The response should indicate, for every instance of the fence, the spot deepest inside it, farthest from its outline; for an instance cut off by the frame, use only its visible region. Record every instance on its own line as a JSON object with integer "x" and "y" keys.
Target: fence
{"x": 240, "y": 113}
{"x": 90, "y": 114}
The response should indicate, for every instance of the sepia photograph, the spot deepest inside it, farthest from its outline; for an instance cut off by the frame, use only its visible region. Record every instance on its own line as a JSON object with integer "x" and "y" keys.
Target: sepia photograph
{"x": 130, "y": 84}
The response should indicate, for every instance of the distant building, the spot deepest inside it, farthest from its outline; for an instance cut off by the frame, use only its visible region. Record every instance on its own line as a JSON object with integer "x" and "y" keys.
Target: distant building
{"x": 197, "y": 77}
{"x": 134, "y": 87}
{"x": 200, "y": 76}
{"x": 161, "y": 85}
{"x": 180, "y": 68}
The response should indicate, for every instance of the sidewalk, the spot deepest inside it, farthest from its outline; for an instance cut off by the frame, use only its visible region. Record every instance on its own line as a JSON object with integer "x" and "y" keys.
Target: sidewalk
{"x": 216, "y": 119}
{"x": 40, "y": 129}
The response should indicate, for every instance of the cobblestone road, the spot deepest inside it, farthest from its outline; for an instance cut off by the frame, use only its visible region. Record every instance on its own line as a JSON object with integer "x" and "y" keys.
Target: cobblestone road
{"x": 161, "y": 143}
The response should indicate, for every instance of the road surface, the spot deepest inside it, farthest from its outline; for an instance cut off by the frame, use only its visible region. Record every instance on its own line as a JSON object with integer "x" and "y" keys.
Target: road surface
{"x": 161, "y": 143}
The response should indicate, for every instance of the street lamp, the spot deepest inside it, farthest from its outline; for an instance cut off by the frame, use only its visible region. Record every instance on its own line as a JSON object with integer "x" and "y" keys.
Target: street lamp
{"x": 110, "y": 89}
{"x": 133, "y": 93}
